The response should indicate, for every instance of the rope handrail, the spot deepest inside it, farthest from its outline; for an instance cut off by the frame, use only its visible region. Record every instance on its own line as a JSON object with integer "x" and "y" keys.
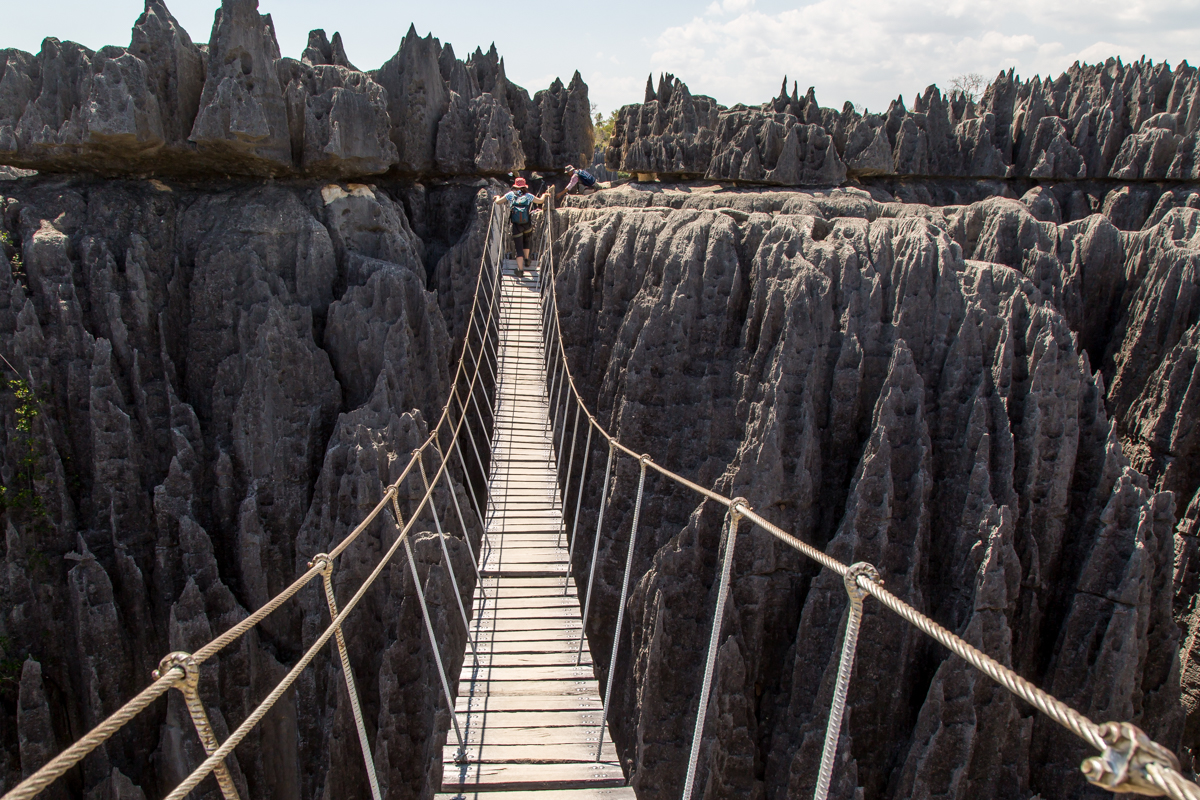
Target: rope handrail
{"x": 1129, "y": 761}
{"x": 78, "y": 750}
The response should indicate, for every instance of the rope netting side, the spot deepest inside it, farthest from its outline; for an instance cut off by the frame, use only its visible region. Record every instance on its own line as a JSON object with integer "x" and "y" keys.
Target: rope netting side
{"x": 176, "y": 675}
{"x": 1129, "y": 760}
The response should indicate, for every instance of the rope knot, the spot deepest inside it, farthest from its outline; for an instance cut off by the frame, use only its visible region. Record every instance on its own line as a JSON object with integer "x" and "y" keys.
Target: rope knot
{"x": 323, "y": 563}
{"x": 860, "y": 569}
{"x": 182, "y": 661}
{"x": 646, "y": 459}
{"x": 1122, "y": 766}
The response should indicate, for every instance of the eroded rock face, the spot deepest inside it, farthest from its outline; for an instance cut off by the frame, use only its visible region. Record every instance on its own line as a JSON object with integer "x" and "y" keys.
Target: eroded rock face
{"x": 167, "y": 106}
{"x": 225, "y": 379}
{"x": 1135, "y": 121}
{"x": 946, "y": 393}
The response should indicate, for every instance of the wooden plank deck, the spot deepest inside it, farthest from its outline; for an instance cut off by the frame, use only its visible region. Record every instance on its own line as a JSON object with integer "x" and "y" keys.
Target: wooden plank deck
{"x": 529, "y": 705}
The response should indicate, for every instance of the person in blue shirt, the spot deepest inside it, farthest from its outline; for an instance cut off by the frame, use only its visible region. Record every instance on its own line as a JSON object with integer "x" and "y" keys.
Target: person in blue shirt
{"x": 520, "y": 212}
{"x": 585, "y": 180}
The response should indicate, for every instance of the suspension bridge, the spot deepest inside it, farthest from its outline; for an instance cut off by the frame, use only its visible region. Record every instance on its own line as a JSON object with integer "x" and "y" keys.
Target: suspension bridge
{"x": 528, "y": 719}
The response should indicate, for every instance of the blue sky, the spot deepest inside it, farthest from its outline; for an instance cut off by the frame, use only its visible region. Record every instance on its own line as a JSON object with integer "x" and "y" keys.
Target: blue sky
{"x": 865, "y": 51}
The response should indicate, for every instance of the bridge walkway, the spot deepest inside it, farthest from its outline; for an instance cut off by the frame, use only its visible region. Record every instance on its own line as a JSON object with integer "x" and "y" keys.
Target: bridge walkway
{"x": 528, "y": 702}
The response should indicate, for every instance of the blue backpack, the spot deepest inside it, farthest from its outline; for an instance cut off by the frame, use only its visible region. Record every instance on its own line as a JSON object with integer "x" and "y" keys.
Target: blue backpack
{"x": 586, "y": 178}
{"x": 522, "y": 210}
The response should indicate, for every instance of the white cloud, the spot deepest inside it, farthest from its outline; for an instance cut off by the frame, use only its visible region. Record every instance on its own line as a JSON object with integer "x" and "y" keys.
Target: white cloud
{"x": 868, "y": 51}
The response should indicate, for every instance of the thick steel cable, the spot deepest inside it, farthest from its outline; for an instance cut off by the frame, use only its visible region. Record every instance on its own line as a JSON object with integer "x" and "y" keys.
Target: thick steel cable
{"x": 612, "y": 662}
{"x": 837, "y": 707}
{"x": 728, "y": 542}
{"x": 1051, "y": 706}
{"x": 348, "y": 674}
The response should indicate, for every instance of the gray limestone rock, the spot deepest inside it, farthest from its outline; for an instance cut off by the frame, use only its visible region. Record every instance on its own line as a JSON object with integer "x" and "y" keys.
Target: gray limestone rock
{"x": 243, "y": 117}
{"x": 909, "y": 391}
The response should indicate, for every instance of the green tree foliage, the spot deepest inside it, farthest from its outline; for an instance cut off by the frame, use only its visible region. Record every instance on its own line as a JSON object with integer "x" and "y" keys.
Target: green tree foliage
{"x": 20, "y": 494}
{"x": 604, "y": 126}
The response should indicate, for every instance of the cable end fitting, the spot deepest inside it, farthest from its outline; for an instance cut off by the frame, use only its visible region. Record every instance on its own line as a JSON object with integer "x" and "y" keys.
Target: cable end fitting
{"x": 738, "y": 506}
{"x": 181, "y": 661}
{"x": 323, "y": 563}
{"x": 1122, "y": 765}
{"x": 860, "y": 569}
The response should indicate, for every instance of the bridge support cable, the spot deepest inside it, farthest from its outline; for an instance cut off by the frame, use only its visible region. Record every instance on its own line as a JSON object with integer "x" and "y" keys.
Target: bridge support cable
{"x": 181, "y": 674}
{"x": 437, "y": 524}
{"x": 612, "y": 663}
{"x": 728, "y": 542}
{"x": 566, "y": 480}
{"x": 462, "y": 524}
{"x": 587, "y": 452}
{"x": 837, "y": 706}
{"x": 587, "y": 601}
{"x": 189, "y": 687}
{"x": 433, "y": 643}
{"x": 321, "y": 560}
{"x": 1129, "y": 760}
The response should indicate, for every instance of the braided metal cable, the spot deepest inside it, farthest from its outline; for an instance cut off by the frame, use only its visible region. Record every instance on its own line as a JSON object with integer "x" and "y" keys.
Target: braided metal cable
{"x": 612, "y": 662}
{"x": 728, "y": 542}
{"x": 837, "y": 707}
{"x": 322, "y": 560}
{"x": 1049, "y": 705}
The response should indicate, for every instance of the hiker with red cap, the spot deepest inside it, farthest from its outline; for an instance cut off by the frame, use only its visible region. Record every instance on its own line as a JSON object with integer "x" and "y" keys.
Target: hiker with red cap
{"x": 520, "y": 212}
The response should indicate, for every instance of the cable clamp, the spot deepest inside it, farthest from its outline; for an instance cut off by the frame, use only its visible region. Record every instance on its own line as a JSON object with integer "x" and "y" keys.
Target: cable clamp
{"x": 1122, "y": 765}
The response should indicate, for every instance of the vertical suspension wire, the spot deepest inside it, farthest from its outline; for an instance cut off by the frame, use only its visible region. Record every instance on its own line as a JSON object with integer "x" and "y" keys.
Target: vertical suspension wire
{"x": 462, "y": 609}
{"x": 612, "y": 663}
{"x": 587, "y": 601}
{"x": 433, "y": 644}
{"x": 567, "y": 479}
{"x": 326, "y": 567}
{"x": 728, "y": 542}
{"x": 462, "y": 523}
{"x": 587, "y": 450}
{"x": 837, "y": 706}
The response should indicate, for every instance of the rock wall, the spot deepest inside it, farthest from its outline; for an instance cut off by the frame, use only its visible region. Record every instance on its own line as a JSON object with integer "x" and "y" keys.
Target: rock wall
{"x": 168, "y": 106}
{"x": 994, "y": 410}
{"x": 1128, "y": 122}
{"x": 225, "y": 377}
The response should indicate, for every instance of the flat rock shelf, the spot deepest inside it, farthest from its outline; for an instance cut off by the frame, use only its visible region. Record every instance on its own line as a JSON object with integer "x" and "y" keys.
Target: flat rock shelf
{"x": 528, "y": 702}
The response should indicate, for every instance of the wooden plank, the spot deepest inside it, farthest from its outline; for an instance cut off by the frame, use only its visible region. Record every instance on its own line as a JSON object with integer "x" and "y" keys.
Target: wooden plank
{"x": 610, "y": 793}
{"x": 528, "y": 673}
{"x": 552, "y": 752}
{"x": 565, "y": 659}
{"x": 533, "y": 776}
{"x": 529, "y": 702}
{"x": 582, "y": 690}
{"x": 497, "y": 720}
{"x": 572, "y": 734}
